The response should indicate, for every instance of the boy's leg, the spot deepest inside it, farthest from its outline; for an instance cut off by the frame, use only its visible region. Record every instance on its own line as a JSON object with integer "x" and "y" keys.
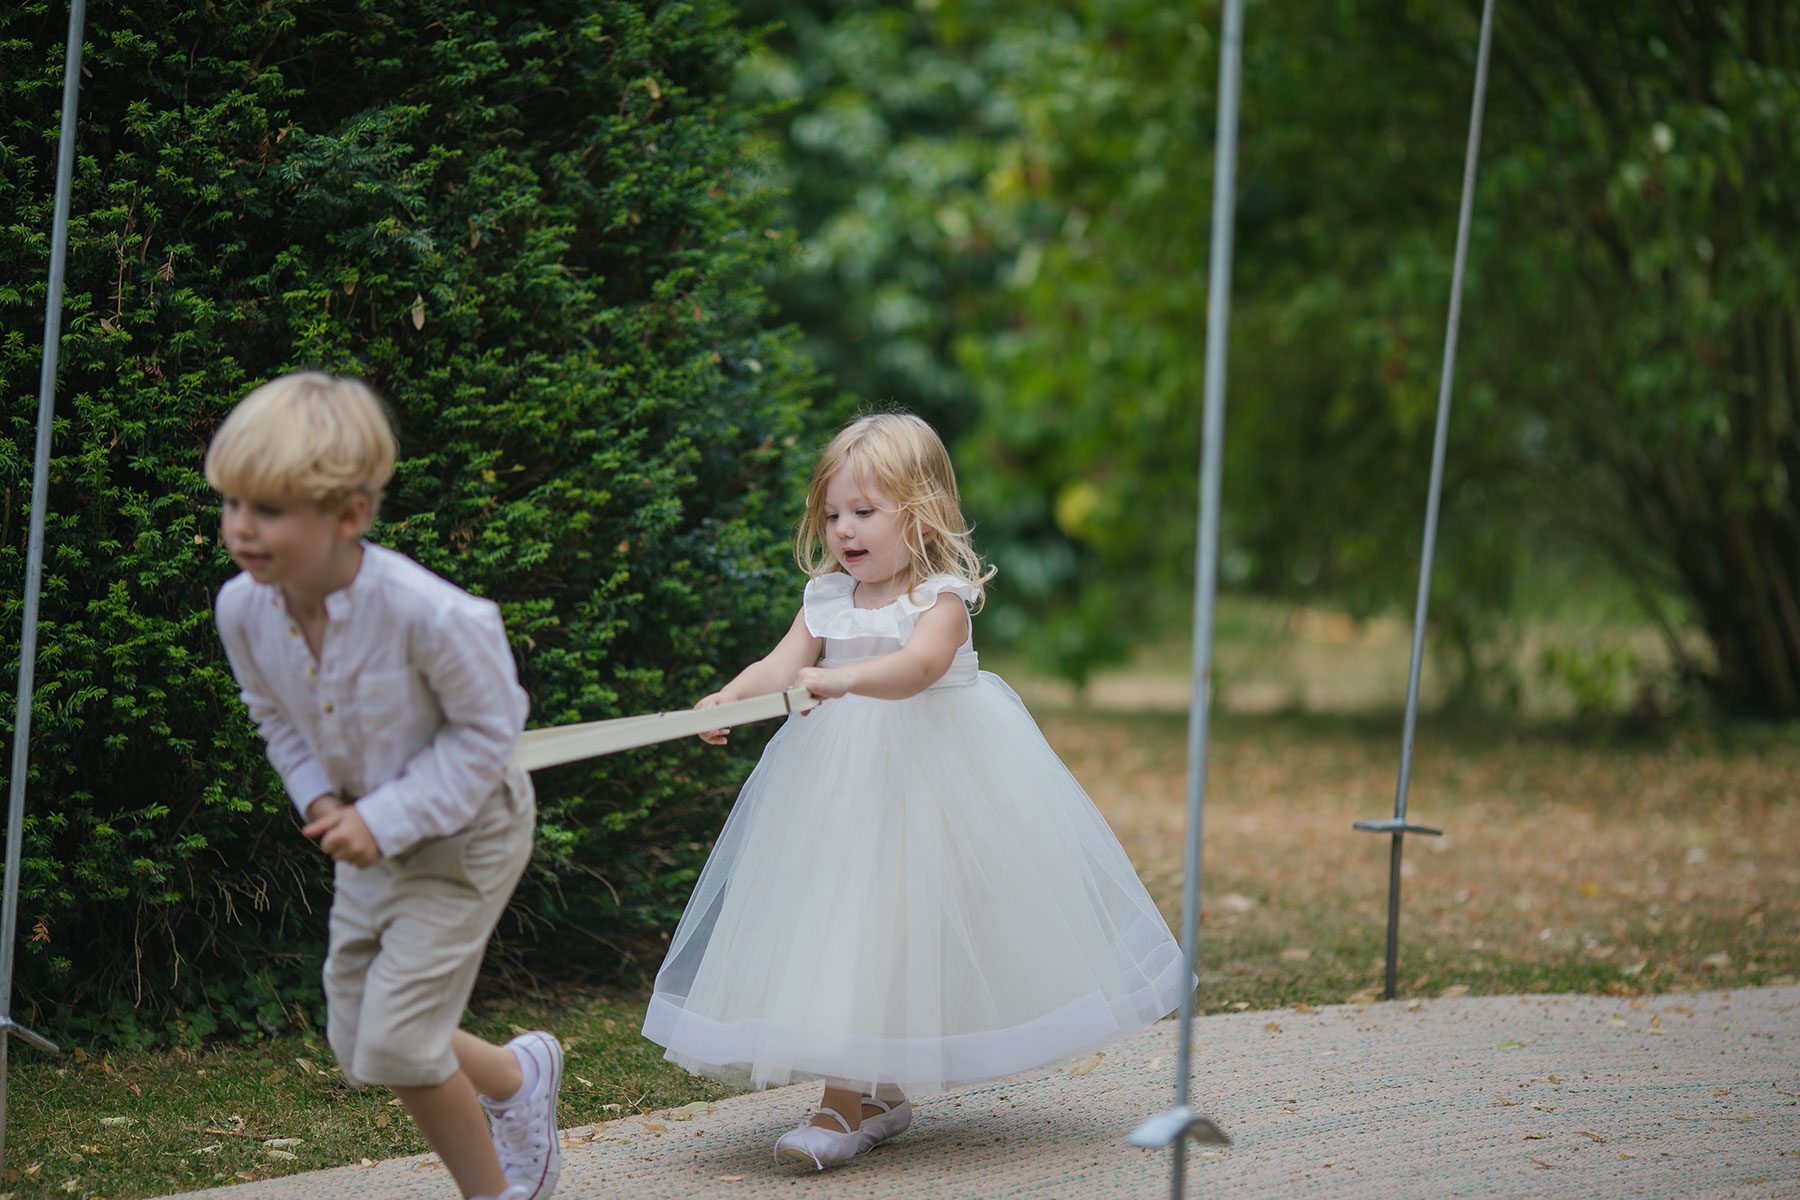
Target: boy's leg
{"x": 494, "y": 1070}
{"x": 450, "y": 1117}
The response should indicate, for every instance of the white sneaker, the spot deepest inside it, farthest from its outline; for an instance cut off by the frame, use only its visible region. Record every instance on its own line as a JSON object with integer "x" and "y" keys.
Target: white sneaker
{"x": 891, "y": 1123}
{"x": 823, "y": 1147}
{"x": 525, "y": 1134}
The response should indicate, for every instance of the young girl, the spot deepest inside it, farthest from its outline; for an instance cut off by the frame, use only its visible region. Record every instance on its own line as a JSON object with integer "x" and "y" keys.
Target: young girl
{"x": 912, "y": 891}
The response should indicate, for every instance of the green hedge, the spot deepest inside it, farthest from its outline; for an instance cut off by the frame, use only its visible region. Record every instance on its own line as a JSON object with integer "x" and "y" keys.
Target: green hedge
{"x": 534, "y": 228}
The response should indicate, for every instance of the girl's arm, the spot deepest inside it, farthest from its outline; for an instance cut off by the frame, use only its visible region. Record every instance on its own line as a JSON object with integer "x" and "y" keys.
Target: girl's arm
{"x": 907, "y": 671}
{"x": 774, "y": 672}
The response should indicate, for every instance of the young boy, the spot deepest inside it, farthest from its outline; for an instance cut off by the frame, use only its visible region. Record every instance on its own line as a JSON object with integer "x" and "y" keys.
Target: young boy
{"x": 390, "y": 704}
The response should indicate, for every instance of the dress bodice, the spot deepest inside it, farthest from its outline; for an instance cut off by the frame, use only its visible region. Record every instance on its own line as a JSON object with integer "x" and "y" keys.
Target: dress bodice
{"x": 852, "y": 634}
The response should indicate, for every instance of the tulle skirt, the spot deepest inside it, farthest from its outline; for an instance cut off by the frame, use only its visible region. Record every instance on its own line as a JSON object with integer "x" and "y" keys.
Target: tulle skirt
{"x": 914, "y": 892}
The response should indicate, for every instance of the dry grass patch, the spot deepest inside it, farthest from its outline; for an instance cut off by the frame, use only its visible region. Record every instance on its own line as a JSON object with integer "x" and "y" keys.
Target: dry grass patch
{"x": 1566, "y": 865}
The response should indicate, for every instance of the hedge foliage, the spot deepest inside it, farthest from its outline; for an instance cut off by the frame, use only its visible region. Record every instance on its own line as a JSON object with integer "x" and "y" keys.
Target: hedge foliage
{"x": 534, "y": 227}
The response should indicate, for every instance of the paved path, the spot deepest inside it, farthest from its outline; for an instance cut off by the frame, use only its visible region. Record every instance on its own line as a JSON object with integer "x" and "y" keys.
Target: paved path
{"x": 1569, "y": 1096}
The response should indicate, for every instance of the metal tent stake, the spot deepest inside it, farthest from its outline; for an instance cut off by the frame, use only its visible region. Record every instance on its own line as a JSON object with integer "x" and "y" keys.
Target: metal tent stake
{"x": 1398, "y": 827}
{"x": 34, "y": 555}
{"x": 1178, "y": 1124}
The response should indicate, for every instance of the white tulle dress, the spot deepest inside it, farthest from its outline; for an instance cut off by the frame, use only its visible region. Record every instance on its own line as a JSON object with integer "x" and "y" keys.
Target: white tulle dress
{"x": 914, "y": 892}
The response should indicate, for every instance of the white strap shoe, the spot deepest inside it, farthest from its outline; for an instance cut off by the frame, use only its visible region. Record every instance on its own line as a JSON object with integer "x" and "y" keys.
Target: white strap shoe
{"x": 891, "y": 1123}
{"x": 823, "y": 1147}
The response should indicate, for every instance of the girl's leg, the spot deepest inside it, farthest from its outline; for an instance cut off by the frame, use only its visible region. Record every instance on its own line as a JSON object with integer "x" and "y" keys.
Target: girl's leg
{"x": 889, "y": 1095}
{"x": 844, "y": 1099}
{"x": 450, "y": 1118}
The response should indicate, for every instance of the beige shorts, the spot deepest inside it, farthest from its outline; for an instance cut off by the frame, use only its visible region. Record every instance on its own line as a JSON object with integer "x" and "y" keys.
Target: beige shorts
{"x": 407, "y": 939}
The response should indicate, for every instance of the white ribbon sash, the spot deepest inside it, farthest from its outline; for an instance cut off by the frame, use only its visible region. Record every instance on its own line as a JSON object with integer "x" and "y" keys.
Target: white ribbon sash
{"x": 539, "y": 748}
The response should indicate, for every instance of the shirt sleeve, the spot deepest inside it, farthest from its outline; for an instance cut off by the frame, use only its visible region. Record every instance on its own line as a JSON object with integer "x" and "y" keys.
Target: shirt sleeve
{"x": 288, "y": 750}
{"x": 469, "y": 667}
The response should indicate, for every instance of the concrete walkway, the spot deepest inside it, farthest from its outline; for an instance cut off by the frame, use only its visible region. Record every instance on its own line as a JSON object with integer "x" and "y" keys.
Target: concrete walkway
{"x": 1569, "y": 1096}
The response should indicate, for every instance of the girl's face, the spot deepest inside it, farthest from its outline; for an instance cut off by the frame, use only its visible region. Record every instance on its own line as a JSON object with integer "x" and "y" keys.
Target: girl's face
{"x": 862, "y": 527}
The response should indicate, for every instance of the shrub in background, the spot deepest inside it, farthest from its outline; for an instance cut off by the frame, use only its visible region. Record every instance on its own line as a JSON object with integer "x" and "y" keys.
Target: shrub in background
{"x": 530, "y": 226}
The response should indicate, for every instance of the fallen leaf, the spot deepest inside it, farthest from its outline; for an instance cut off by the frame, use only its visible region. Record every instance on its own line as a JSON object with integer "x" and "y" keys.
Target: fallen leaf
{"x": 1303, "y": 1007}
{"x": 1588, "y": 1133}
{"x": 1086, "y": 1066}
{"x": 1510, "y": 1044}
{"x": 1502, "y": 1102}
{"x": 1453, "y": 991}
{"x": 1721, "y": 1091}
{"x": 367, "y": 1162}
{"x": 382, "y": 1120}
{"x": 689, "y": 1111}
{"x": 1536, "y": 1137}
{"x": 283, "y": 1155}
{"x": 1296, "y": 954}
{"x": 276, "y": 1076}
{"x": 1636, "y": 968}
{"x": 1622, "y": 1154}
{"x": 1271, "y": 1027}
{"x": 653, "y": 1127}
{"x": 282, "y": 1143}
{"x": 306, "y": 1064}
{"x": 1542, "y": 1107}
{"x": 115, "y": 1120}
{"x": 731, "y": 1178}
{"x": 1236, "y": 902}
{"x": 212, "y": 1149}
{"x": 1540, "y": 1162}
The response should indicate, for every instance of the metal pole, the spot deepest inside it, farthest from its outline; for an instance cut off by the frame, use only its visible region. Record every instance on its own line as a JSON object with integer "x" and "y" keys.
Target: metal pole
{"x": 34, "y": 554}
{"x": 1181, "y": 1123}
{"x": 1399, "y": 826}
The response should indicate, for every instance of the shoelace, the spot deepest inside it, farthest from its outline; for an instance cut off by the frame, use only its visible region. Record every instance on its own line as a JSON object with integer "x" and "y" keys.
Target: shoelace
{"x": 519, "y": 1137}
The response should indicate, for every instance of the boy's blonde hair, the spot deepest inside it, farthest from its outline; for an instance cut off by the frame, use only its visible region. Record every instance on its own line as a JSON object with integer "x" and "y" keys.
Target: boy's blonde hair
{"x": 306, "y": 436}
{"x": 904, "y": 457}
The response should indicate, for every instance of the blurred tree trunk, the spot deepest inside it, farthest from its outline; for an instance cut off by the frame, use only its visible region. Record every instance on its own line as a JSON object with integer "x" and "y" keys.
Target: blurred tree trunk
{"x": 1679, "y": 126}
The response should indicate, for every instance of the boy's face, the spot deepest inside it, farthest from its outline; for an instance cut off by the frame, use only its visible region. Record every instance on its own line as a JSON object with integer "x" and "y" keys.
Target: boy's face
{"x": 289, "y": 542}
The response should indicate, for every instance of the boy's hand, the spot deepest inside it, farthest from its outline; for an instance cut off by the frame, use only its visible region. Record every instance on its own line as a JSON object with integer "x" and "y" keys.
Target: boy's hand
{"x": 343, "y": 835}
{"x": 329, "y": 802}
{"x": 715, "y": 737}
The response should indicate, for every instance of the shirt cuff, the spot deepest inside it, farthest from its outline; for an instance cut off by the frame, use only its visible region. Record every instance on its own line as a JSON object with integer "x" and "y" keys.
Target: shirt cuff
{"x": 392, "y": 827}
{"x": 306, "y": 783}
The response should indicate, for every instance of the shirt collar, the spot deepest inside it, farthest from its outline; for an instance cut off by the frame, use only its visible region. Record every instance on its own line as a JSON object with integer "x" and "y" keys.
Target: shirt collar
{"x": 340, "y": 603}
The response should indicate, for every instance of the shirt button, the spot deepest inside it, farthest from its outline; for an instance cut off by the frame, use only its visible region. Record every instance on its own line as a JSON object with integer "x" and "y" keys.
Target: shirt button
{"x": 328, "y": 706}
{"x": 293, "y": 631}
{"x": 312, "y": 672}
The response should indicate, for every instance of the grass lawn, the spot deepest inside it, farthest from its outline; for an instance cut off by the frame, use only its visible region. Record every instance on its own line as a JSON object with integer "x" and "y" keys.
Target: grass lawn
{"x": 1569, "y": 865}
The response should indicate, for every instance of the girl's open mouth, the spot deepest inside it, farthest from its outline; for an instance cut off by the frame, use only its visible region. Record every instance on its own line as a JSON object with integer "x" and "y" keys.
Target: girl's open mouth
{"x": 855, "y": 556}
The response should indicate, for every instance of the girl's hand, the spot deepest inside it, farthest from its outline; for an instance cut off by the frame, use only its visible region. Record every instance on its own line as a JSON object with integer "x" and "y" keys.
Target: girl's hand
{"x": 343, "y": 835}
{"x": 715, "y": 737}
{"x": 827, "y": 683}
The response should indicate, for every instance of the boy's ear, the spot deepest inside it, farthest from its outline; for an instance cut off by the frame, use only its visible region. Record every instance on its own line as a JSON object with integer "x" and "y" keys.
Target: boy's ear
{"x": 355, "y": 515}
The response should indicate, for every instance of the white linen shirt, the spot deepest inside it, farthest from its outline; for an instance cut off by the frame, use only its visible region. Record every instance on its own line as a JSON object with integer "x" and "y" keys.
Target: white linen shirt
{"x": 412, "y": 707}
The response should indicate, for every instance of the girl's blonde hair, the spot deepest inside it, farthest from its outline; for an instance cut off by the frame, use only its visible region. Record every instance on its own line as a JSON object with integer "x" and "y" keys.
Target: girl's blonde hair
{"x": 904, "y": 457}
{"x": 306, "y": 436}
